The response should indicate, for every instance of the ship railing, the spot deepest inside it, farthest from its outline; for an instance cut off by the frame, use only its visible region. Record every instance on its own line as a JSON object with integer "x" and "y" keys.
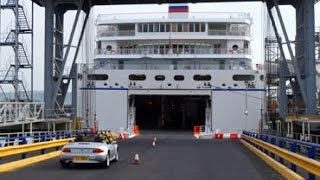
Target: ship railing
{"x": 104, "y": 33}
{"x": 228, "y": 33}
{"x": 106, "y": 18}
{"x": 173, "y": 51}
{"x": 179, "y": 66}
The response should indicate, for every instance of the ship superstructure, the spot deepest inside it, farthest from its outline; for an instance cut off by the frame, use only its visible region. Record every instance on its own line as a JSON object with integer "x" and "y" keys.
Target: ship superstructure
{"x": 172, "y": 70}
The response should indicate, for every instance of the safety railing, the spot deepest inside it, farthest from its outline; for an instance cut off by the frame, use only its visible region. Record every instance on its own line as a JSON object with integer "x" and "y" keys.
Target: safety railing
{"x": 12, "y": 113}
{"x": 312, "y": 138}
{"x": 21, "y": 138}
{"x": 173, "y": 51}
{"x": 296, "y": 153}
{"x": 24, "y": 149}
{"x": 115, "y": 33}
{"x": 228, "y": 33}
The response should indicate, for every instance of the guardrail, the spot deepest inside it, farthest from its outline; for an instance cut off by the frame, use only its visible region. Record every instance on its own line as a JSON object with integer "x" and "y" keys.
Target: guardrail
{"x": 21, "y": 138}
{"x": 275, "y": 147}
{"x": 23, "y": 149}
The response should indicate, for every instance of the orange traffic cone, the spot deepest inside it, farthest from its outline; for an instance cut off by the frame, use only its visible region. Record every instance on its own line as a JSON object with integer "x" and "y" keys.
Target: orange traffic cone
{"x": 136, "y": 159}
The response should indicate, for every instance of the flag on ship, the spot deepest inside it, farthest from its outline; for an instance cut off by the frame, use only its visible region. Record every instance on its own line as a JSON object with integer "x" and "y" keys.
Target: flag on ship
{"x": 178, "y": 9}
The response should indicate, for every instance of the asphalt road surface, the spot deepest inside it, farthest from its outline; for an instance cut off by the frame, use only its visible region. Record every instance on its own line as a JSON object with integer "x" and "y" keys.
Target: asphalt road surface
{"x": 177, "y": 156}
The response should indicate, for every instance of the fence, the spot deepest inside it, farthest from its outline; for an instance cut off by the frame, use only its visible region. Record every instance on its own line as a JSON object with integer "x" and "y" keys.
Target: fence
{"x": 297, "y": 153}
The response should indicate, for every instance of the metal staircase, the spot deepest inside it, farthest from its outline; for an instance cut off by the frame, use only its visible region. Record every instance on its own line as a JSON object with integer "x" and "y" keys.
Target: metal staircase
{"x": 22, "y": 60}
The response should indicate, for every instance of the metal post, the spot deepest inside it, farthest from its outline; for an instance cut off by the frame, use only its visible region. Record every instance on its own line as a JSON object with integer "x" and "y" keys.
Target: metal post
{"x": 31, "y": 127}
{"x": 283, "y": 100}
{"x": 16, "y": 59}
{"x": 303, "y": 131}
{"x": 308, "y": 137}
{"x": 48, "y": 59}
{"x": 306, "y": 57}
{"x": 291, "y": 129}
{"x": 32, "y": 19}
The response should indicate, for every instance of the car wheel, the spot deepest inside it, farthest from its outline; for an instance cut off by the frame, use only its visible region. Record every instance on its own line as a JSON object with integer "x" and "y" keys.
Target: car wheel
{"x": 116, "y": 156}
{"x": 64, "y": 164}
{"x": 106, "y": 163}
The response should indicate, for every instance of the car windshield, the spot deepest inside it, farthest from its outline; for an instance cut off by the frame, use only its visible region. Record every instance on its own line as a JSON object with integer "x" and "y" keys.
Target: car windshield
{"x": 87, "y": 138}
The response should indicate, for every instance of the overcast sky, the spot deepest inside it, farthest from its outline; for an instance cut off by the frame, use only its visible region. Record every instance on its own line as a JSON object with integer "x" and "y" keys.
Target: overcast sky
{"x": 254, "y": 9}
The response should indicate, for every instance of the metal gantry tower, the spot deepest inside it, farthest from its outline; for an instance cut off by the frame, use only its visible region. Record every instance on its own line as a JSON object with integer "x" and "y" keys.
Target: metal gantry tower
{"x": 303, "y": 76}
{"x": 22, "y": 60}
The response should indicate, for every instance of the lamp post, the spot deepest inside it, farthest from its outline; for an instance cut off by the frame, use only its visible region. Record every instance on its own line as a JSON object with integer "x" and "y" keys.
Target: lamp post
{"x": 246, "y": 110}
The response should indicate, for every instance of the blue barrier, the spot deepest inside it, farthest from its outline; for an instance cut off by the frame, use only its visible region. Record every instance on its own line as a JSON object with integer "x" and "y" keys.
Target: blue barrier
{"x": 293, "y": 144}
{"x": 19, "y": 139}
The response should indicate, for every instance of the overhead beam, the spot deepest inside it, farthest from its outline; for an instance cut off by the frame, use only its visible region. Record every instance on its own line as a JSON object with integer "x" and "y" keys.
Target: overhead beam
{"x": 128, "y": 2}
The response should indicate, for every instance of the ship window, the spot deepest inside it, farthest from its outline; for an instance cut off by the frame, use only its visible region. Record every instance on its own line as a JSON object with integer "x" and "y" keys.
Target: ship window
{"x": 150, "y": 27}
{"x": 145, "y": 27}
{"x": 156, "y": 27}
{"x": 197, "y": 27}
{"x": 261, "y": 77}
{"x": 235, "y": 47}
{"x": 243, "y": 77}
{"x": 203, "y": 27}
{"x": 179, "y": 27}
{"x": 178, "y": 77}
{"x": 199, "y": 77}
{"x": 160, "y": 77}
{"x": 173, "y": 27}
{"x": 168, "y": 27}
{"x": 162, "y": 27}
{"x": 140, "y": 27}
{"x": 137, "y": 77}
{"x": 185, "y": 27}
{"x": 98, "y": 77}
{"x": 191, "y": 27}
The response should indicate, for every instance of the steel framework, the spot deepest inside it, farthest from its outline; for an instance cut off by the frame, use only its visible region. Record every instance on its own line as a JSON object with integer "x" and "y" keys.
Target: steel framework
{"x": 302, "y": 80}
{"x": 22, "y": 61}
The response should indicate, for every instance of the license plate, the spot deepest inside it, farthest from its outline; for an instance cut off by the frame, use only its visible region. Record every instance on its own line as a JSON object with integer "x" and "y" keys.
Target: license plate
{"x": 80, "y": 158}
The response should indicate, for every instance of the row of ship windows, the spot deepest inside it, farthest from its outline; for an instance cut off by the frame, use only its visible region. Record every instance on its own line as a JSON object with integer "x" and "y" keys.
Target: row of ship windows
{"x": 197, "y": 77}
{"x": 172, "y": 27}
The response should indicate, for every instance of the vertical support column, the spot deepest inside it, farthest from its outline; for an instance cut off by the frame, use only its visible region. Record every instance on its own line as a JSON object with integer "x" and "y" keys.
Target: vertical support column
{"x": 48, "y": 59}
{"x": 208, "y": 116}
{"x": 16, "y": 52}
{"x": 58, "y": 55}
{"x": 305, "y": 51}
{"x": 73, "y": 74}
{"x": 283, "y": 100}
{"x": 58, "y": 47}
{"x": 131, "y": 114}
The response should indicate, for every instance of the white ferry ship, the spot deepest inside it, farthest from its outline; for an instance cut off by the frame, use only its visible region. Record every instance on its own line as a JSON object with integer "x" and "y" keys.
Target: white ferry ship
{"x": 173, "y": 70}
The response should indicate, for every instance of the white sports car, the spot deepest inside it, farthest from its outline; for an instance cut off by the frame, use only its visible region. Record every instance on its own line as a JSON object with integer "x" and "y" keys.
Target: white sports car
{"x": 89, "y": 149}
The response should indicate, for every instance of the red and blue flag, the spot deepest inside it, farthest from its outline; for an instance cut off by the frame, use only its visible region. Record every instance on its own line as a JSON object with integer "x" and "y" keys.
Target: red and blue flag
{"x": 178, "y": 9}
